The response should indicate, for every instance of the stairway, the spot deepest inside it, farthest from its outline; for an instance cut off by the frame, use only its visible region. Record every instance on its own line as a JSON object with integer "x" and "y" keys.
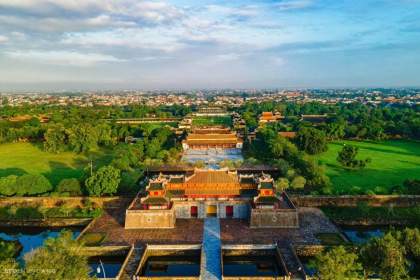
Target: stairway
{"x": 293, "y": 264}
{"x": 133, "y": 262}
{"x": 210, "y": 258}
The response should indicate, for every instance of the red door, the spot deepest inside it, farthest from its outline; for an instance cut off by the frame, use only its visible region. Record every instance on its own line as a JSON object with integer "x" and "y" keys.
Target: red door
{"x": 229, "y": 211}
{"x": 194, "y": 211}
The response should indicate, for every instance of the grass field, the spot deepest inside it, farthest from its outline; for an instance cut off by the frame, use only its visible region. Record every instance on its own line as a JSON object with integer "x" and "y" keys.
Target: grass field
{"x": 392, "y": 162}
{"x": 22, "y": 158}
{"x": 219, "y": 120}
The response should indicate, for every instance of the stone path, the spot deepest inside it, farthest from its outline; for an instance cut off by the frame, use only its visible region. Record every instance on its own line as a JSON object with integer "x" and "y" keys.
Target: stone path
{"x": 293, "y": 264}
{"x": 133, "y": 262}
{"x": 210, "y": 258}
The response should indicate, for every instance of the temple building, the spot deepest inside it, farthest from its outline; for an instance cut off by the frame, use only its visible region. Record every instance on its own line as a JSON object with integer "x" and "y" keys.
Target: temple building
{"x": 269, "y": 117}
{"x": 212, "y": 138}
{"x": 211, "y": 193}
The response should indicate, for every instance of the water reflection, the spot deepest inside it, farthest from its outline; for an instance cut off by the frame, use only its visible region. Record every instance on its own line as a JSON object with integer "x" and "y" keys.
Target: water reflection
{"x": 172, "y": 266}
{"x": 33, "y": 237}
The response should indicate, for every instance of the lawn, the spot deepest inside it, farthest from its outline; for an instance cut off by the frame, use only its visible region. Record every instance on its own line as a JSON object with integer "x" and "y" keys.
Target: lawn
{"x": 217, "y": 120}
{"x": 393, "y": 162}
{"x": 22, "y": 158}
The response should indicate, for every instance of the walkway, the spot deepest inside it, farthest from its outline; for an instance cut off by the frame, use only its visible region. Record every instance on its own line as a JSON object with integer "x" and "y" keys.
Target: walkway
{"x": 210, "y": 258}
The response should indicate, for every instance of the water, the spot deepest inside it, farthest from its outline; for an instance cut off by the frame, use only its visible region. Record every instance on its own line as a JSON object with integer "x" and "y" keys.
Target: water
{"x": 362, "y": 234}
{"x": 251, "y": 266}
{"x": 306, "y": 262}
{"x": 172, "y": 266}
{"x": 33, "y": 237}
{"x": 105, "y": 266}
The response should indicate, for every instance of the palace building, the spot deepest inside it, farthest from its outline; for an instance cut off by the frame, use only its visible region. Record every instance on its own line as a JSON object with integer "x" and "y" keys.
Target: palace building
{"x": 269, "y": 117}
{"x": 211, "y": 193}
{"x": 212, "y": 138}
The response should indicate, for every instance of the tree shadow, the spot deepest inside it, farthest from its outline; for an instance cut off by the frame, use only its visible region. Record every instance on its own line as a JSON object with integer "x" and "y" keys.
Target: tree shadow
{"x": 59, "y": 171}
{"x": 12, "y": 171}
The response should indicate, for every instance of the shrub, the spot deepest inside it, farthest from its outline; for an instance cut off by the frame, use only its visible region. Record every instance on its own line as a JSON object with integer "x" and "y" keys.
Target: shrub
{"x": 70, "y": 186}
{"x": 28, "y": 213}
{"x": 30, "y": 184}
{"x": 8, "y": 185}
{"x": 298, "y": 183}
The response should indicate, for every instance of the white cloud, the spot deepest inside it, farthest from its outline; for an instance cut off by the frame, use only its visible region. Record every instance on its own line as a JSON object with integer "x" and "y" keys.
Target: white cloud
{"x": 3, "y": 39}
{"x": 294, "y": 4}
{"x": 62, "y": 57}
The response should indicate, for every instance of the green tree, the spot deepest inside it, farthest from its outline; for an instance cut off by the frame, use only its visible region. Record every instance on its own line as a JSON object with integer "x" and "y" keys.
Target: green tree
{"x": 9, "y": 269}
{"x": 32, "y": 184}
{"x": 298, "y": 183}
{"x": 55, "y": 139}
{"x": 282, "y": 184}
{"x": 59, "y": 259}
{"x": 83, "y": 137}
{"x": 104, "y": 181}
{"x": 384, "y": 256}
{"x": 8, "y": 185}
{"x": 347, "y": 157}
{"x": 70, "y": 186}
{"x": 311, "y": 140}
{"x": 337, "y": 264}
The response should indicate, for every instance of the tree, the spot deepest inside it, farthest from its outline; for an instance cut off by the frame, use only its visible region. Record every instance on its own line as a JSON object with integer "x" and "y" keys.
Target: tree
{"x": 311, "y": 140}
{"x": 337, "y": 264}
{"x": 103, "y": 181}
{"x": 59, "y": 259}
{"x": 8, "y": 185}
{"x": 70, "y": 186}
{"x": 9, "y": 269}
{"x": 298, "y": 183}
{"x": 347, "y": 157}
{"x": 55, "y": 139}
{"x": 384, "y": 256}
{"x": 32, "y": 184}
{"x": 282, "y": 184}
{"x": 83, "y": 137}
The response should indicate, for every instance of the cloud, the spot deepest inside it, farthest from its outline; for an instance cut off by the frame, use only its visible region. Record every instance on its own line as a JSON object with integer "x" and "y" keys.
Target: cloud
{"x": 65, "y": 58}
{"x": 294, "y": 4}
{"x": 3, "y": 39}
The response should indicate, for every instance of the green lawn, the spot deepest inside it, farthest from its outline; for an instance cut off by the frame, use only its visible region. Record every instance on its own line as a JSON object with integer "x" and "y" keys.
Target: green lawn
{"x": 392, "y": 162}
{"x": 217, "y": 120}
{"x": 21, "y": 158}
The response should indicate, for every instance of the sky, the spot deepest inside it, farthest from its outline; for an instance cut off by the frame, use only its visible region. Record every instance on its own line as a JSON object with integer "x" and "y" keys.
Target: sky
{"x": 180, "y": 44}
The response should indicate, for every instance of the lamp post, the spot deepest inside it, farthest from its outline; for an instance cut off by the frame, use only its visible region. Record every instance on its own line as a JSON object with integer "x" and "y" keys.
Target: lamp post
{"x": 98, "y": 270}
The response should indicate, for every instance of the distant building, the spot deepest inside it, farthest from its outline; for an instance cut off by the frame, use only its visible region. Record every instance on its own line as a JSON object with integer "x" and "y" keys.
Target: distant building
{"x": 288, "y": 134}
{"x": 269, "y": 117}
{"x": 212, "y": 138}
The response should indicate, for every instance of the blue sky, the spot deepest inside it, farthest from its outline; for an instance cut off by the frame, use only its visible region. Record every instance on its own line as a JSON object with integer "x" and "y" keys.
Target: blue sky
{"x": 128, "y": 44}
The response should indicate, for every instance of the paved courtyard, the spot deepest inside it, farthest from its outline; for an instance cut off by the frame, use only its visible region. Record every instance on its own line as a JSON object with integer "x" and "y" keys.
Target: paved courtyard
{"x": 190, "y": 231}
{"x": 212, "y": 157}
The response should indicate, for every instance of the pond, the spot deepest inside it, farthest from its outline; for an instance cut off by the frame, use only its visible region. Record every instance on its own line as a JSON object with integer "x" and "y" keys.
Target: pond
{"x": 172, "y": 265}
{"x": 33, "y": 237}
{"x": 266, "y": 265}
{"x": 105, "y": 266}
{"x": 362, "y": 234}
{"x": 307, "y": 265}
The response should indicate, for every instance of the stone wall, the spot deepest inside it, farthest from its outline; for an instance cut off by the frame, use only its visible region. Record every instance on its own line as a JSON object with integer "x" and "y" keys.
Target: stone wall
{"x": 353, "y": 200}
{"x": 136, "y": 219}
{"x": 268, "y": 218}
{"x": 241, "y": 209}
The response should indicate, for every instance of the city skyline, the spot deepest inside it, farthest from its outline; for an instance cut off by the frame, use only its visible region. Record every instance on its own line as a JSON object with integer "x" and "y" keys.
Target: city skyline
{"x": 53, "y": 45}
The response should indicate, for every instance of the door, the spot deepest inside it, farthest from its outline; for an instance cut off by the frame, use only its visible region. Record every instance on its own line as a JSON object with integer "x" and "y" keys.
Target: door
{"x": 212, "y": 211}
{"x": 194, "y": 212}
{"x": 229, "y": 211}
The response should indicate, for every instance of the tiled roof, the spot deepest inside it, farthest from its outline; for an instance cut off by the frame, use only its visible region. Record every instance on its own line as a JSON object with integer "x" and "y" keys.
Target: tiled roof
{"x": 266, "y": 200}
{"x": 155, "y": 200}
{"x": 153, "y": 186}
